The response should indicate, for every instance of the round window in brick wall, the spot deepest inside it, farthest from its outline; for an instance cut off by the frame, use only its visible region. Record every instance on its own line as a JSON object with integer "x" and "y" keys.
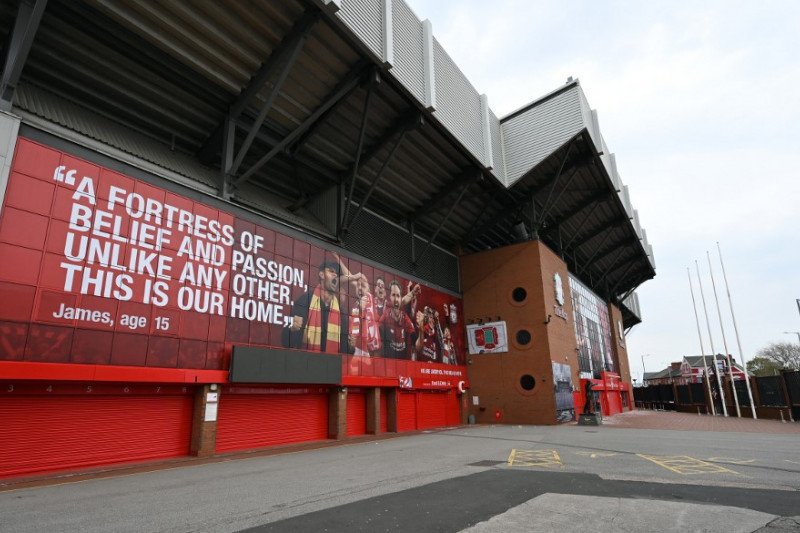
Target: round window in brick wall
{"x": 523, "y": 337}
{"x": 519, "y": 294}
{"x": 527, "y": 382}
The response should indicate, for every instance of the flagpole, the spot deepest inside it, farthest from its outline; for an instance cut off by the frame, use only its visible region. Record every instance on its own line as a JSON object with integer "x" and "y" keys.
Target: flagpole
{"x": 702, "y": 349}
{"x": 724, "y": 340}
{"x": 736, "y": 330}
{"x": 711, "y": 341}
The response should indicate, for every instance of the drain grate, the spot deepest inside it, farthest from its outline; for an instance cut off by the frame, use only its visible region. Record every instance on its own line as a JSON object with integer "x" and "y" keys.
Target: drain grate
{"x": 487, "y": 463}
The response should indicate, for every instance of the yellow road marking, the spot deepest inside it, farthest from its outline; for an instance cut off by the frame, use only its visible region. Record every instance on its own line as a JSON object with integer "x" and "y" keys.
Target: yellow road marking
{"x": 683, "y": 464}
{"x": 534, "y": 458}
{"x": 594, "y": 455}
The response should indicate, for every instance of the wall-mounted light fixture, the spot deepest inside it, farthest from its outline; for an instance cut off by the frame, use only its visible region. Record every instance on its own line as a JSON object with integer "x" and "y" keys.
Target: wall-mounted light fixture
{"x": 547, "y": 321}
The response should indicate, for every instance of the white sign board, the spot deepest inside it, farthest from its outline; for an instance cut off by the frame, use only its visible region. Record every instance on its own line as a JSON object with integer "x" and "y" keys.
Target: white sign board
{"x": 490, "y": 337}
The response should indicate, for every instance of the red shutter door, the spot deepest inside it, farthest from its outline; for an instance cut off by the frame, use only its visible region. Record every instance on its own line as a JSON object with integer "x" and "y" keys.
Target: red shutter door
{"x": 453, "y": 408}
{"x": 46, "y": 433}
{"x": 384, "y": 411}
{"x": 356, "y": 413}
{"x": 406, "y": 411}
{"x": 431, "y": 410}
{"x": 249, "y": 421}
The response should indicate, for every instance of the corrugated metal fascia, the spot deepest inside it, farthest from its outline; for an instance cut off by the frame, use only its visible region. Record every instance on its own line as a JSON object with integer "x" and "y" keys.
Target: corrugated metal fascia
{"x": 68, "y": 120}
{"x": 532, "y": 136}
{"x": 540, "y": 100}
{"x": 365, "y": 19}
{"x": 408, "y": 50}
{"x": 458, "y": 103}
{"x": 499, "y": 169}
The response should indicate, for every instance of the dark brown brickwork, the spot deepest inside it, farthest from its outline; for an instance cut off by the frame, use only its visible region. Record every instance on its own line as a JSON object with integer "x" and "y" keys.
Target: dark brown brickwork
{"x": 620, "y": 346}
{"x": 204, "y": 434}
{"x": 337, "y": 413}
{"x": 489, "y": 278}
{"x": 373, "y": 411}
{"x": 391, "y": 409}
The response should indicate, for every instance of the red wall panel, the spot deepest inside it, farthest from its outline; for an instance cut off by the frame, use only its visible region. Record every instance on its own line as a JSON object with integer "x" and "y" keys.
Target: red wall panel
{"x": 104, "y": 269}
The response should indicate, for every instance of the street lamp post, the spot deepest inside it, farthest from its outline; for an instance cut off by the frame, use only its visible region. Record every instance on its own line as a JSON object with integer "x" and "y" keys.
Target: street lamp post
{"x": 793, "y": 333}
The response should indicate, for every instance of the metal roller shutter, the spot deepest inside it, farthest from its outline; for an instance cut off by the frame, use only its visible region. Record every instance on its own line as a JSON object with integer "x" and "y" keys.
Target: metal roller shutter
{"x": 384, "y": 411}
{"x": 406, "y": 411}
{"x": 431, "y": 410}
{"x": 47, "y": 433}
{"x": 249, "y": 421}
{"x": 356, "y": 413}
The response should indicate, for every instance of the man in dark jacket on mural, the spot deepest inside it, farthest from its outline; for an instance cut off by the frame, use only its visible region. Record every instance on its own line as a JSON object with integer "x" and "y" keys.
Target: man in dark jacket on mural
{"x": 318, "y": 324}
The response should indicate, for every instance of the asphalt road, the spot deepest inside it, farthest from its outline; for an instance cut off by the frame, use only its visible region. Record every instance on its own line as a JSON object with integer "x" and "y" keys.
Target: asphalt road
{"x": 488, "y": 478}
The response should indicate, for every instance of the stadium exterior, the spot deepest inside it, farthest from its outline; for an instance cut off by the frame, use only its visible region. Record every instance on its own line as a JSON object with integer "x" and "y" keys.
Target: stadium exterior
{"x": 231, "y": 226}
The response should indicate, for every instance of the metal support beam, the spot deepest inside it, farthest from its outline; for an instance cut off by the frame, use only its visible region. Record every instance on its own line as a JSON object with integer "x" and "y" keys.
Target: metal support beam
{"x": 469, "y": 177}
{"x": 464, "y": 188}
{"x": 631, "y": 264}
{"x": 403, "y": 124}
{"x": 18, "y": 45}
{"x": 608, "y": 227}
{"x": 600, "y": 247}
{"x": 613, "y": 263}
{"x": 229, "y": 132}
{"x": 546, "y": 205}
{"x": 376, "y": 179}
{"x": 296, "y": 36}
{"x": 359, "y": 148}
{"x": 340, "y": 91}
{"x": 290, "y": 55}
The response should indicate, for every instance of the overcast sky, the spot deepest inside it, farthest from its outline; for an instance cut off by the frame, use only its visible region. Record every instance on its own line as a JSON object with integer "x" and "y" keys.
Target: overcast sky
{"x": 700, "y": 101}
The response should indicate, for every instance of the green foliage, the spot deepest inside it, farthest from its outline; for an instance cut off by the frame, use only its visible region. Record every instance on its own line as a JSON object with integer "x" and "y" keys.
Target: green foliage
{"x": 762, "y": 366}
{"x": 775, "y": 357}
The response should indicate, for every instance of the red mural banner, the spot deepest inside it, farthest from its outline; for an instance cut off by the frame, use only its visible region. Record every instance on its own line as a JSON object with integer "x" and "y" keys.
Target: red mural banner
{"x": 101, "y": 268}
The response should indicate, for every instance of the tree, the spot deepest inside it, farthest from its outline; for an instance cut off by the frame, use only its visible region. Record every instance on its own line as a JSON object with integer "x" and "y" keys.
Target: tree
{"x": 776, "y": 356}
{"x": 762, "y": 366}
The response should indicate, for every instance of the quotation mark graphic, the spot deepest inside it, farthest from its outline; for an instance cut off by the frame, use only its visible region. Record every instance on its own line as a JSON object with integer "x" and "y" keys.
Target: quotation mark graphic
{"x": 68, "y": 178}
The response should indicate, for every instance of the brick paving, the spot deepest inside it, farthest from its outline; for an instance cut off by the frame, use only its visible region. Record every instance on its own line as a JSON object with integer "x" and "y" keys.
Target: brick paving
{"x": 643, "y": 419}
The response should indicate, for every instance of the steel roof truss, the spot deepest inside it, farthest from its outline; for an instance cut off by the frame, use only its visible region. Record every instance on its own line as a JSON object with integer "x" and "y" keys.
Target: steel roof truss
{"x": 350, "y": 82}
{"x": 288, "y": 57}
{"x": 631, "y": 264}
{"x": 446, "y": 191}
{"x": 546, "y": 206}
{"x": 29, "y": 15}
{"x": 599, "y": 247}
{"x": 359, "y": 148}
{"x": 293, "y": 40}
{"x": 611, "y": 225}
{"x": 464, "y": 188}
{"x": 376, "y": 179}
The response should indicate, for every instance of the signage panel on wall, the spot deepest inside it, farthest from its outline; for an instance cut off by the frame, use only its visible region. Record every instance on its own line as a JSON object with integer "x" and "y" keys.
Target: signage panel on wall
{"x": 563, "y": 388}
{"x": 102, "y": 268}
{"x": 490, "y": 337}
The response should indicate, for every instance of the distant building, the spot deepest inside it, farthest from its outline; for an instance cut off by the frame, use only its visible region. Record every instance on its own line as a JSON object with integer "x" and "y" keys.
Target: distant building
{"x": 691, "y": 370}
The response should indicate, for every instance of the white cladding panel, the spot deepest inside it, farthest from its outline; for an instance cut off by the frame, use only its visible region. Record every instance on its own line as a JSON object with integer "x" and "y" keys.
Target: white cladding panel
{"x": 407, "y": 38}
{"x": 365, "y": 18}
{"x": 499, "y": 161}
{"x": 534, "y": 134}
{"x": 458, "y": 104}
